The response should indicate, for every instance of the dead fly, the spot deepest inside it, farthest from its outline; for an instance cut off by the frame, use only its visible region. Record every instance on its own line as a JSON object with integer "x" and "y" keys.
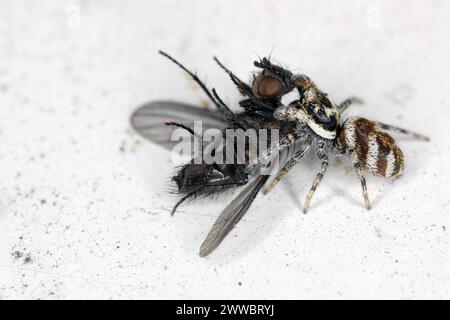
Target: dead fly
{"x": 310, "y": 122}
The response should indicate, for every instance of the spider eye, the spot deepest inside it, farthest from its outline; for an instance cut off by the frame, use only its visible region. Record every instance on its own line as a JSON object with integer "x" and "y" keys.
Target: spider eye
{"x": 328, "y": 122}
{"x": 322, "y": 116}
{"x": 267, "y": 86}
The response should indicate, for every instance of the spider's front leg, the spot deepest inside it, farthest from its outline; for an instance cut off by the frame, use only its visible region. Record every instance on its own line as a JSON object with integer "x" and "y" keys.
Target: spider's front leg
{"x": 324, "y": 160}
{"x": 280, "y": 175}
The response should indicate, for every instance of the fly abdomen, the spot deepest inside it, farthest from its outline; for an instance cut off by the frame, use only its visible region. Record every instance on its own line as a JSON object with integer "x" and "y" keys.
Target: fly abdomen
{"x": 209, "y": 178}
{"x": 374, "y": 149}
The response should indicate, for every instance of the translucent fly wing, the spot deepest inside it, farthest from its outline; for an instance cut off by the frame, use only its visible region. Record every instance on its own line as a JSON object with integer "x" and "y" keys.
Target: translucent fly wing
{"x": 148, "y": 120}
{"x": 231, "y": 215}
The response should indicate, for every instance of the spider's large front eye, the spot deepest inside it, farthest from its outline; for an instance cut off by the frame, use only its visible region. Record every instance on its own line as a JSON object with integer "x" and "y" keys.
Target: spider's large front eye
{"x": 267, "y": 86}
{"x": 326, "y": 121}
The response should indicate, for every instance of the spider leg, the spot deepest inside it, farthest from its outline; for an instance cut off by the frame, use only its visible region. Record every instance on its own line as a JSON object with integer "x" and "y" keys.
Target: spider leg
{"x": 280, "y": 175}
{"x": 347, "y": 102}
{"x": 398, "y": 130}
{"x": 282, "y": 144}
{"x": 357, "y": 166}
{"x": 324, "y": 160}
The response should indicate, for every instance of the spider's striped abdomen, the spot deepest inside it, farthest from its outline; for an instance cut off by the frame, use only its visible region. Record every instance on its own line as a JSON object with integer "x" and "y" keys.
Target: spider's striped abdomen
{"x": 375, "y": 150}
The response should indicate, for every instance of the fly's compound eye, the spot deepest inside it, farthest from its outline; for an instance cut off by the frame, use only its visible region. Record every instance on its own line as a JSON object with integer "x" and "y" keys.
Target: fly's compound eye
{"x": 273, "y": 81}
{"x": 268, "y": 86}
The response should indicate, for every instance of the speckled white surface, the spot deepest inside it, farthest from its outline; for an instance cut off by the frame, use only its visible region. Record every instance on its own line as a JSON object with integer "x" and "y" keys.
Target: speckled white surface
{"x": 84, "y": 211}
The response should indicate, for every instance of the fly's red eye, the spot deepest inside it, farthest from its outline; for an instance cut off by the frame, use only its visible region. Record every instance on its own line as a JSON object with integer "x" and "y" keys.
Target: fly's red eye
{"x": 268, "y": 86}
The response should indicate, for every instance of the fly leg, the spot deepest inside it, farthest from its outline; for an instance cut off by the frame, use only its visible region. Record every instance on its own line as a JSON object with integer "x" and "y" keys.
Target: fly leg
{"x": 223, "y": 109}
{"x": 245, "y": 89}
{"x": 189, "y": 195}
{"x": 241, "y": 85}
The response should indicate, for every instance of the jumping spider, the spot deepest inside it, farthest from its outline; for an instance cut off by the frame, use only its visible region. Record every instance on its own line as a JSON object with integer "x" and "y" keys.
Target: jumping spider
{"x": 366, "y": 143}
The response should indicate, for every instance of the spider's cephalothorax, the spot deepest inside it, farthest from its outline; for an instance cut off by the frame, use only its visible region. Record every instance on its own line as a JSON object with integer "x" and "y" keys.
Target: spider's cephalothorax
{"x": 313, "y": 108}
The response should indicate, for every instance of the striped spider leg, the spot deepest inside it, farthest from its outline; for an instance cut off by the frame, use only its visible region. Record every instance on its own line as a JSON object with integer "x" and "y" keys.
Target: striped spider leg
{"x": 347, "y": 102}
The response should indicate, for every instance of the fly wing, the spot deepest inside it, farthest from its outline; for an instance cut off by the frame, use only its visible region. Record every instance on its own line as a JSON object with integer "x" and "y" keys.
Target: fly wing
{"x": 231, "y": 215}
{"x": 148, "y": 120}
